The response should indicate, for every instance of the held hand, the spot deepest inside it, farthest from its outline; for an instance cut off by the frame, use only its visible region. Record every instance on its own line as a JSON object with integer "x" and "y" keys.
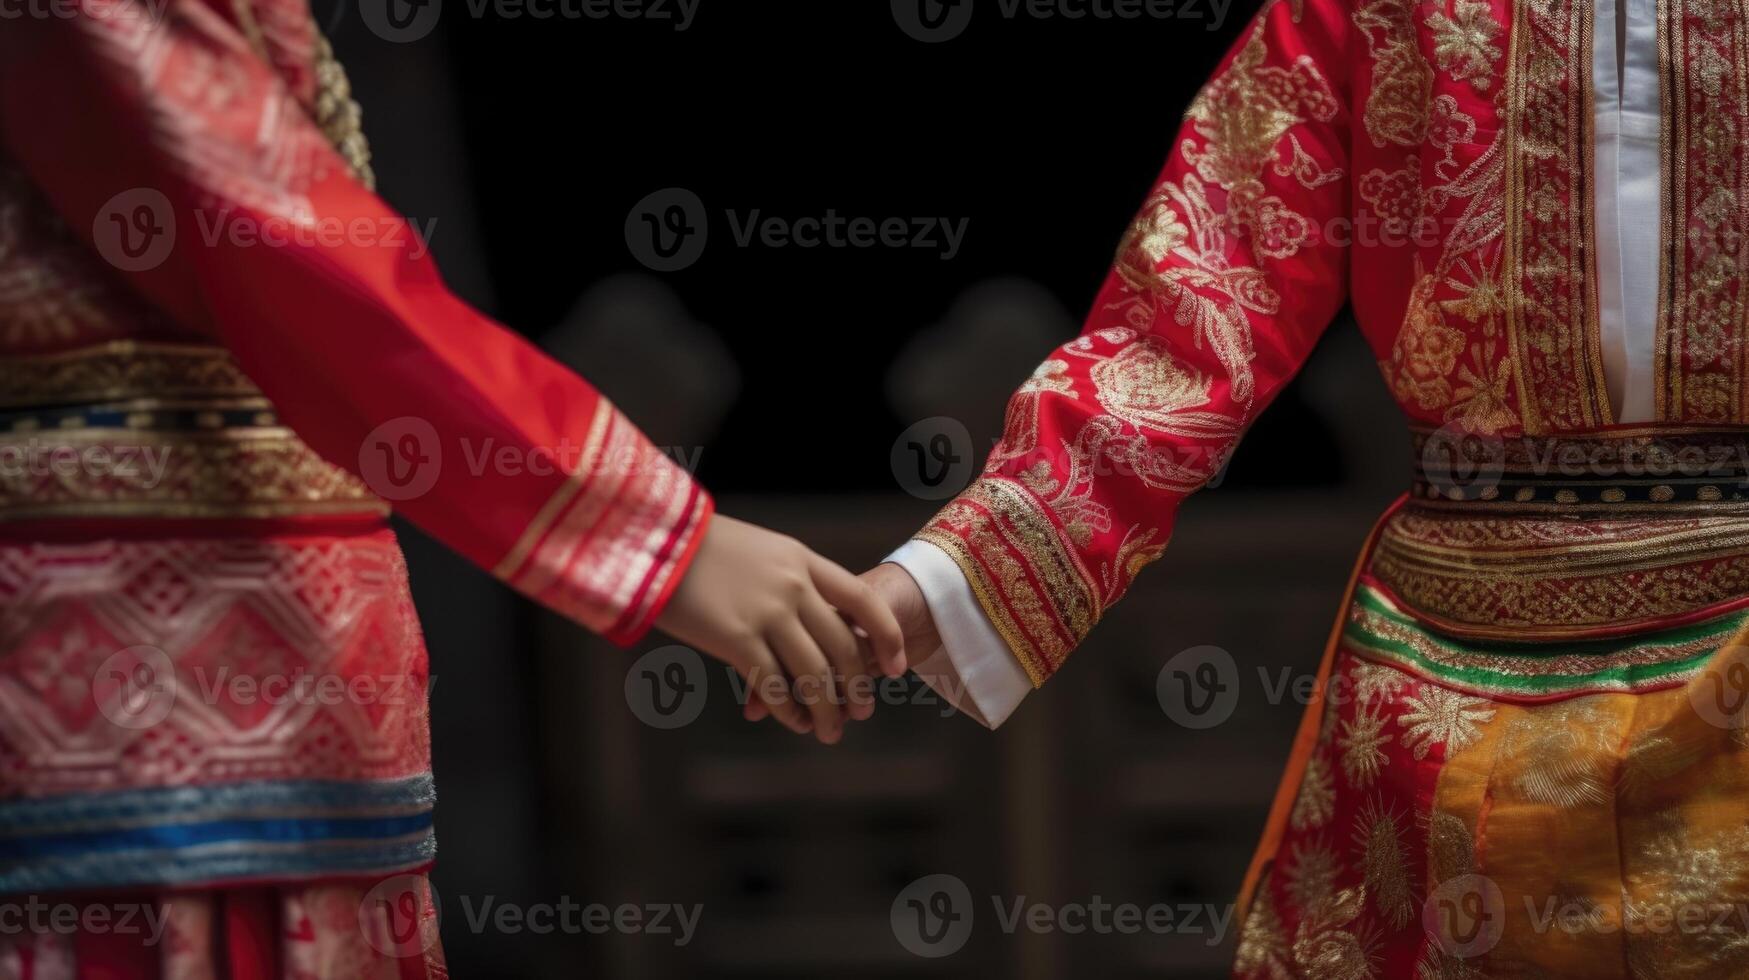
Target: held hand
{"x": 781, "y": 616}
{"x": 899, "y": 591}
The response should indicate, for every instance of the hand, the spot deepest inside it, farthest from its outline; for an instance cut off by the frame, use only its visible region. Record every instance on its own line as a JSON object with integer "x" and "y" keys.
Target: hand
{"x": 900, "y": 592}
{"x": 782, "y": 617}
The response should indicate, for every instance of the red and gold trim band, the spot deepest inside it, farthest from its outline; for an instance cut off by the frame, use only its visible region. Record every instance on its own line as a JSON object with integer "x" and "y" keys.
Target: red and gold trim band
{"x": 172, "y": 431}
{"x": 608, "y": 548}
{"x": 1650, "y": 470}
{"x": 1551, "y": 299}
{"x": 1031, "y": 585}
{"x": 1527, "y": 672}
{"x": 1543, "y": 578}
{"x": 228, "y": 472}
{"x": 1702, "y": 348}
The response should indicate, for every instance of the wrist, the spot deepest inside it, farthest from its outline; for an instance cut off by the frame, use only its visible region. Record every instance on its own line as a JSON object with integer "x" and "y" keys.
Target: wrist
{"x": 905, "y": 597}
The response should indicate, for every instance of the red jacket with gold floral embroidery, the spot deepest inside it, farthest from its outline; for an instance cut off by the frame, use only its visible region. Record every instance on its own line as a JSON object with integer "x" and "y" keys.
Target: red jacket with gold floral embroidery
{"x": 1427, "y": 163}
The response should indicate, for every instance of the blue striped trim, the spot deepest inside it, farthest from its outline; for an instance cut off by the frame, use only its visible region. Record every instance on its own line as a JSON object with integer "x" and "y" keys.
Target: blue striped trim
{"x": 261, "y": 799}
{"x": 198, "y": 867}
{"x": 203, "y": 834}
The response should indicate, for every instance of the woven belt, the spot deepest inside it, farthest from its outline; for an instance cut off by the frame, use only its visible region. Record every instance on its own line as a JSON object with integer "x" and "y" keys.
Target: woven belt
{"x": 132, "y": 430}
{"x": 1625, "y": 470}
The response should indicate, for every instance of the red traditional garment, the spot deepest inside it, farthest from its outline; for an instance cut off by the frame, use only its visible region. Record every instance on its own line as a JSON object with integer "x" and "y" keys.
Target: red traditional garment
{"x": 1526, "y": 754}
{"x": 222, "y": 359}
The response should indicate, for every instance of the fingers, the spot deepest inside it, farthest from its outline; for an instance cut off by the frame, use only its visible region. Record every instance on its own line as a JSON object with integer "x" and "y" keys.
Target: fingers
{"x": 811, "y": 673}
{"x": 768, "y": 693}
{"x": 844, "y": 653}
{"x": 856, "y": 600}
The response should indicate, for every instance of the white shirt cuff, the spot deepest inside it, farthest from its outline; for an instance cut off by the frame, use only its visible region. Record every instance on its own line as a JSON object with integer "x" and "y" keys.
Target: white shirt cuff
{"x": 973, "y": 668}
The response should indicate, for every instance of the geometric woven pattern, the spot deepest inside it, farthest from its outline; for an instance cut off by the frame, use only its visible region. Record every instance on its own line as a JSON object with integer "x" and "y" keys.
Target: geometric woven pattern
{"x": 292, "y": 658}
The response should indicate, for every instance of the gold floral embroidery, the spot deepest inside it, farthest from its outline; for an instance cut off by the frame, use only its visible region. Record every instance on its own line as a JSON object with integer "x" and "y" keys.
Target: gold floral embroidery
{"x": 1330, "y": 944}
{"x": 1244, "y": 114}
{"x": 1435, "y": 964}
{"x": 1395, "y": 196}
{"x": 1316, "y": 802}
{"x": 1437, "y": 716}
{"x": 1305, "y": 168}
{"x": 1654, "y": 760}
{"x": 1139, "y": 383}
{"x": 1144, "y": 385}
{"x": 1362, "y": 742}
{"x": 1263, "y": 946}
{"x": 1451, "y": 853}
{"x": 1377, "y": 681}
{"x": 1688, "y": 867}
{"x": 1243, "y": 117}
{"x": 1426, "y": 350}
{"x": 1445, "y": 355}
{"x": 1451, "y": 848}
{"x": 1402, "y": 80}
{"x": 1378, "y": 838}
{"x": 1568, "y": 753}
{"x": 1463, "y": 43}
{"x": 1310, "y": 873}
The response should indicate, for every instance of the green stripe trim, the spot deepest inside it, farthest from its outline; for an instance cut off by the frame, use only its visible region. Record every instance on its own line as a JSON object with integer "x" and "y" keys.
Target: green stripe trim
{"x": 1631, "y": 663}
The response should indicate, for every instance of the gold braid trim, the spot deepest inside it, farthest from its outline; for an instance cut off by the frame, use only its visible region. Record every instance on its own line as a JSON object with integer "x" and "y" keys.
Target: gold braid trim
{"x": 339, "y": 115}
{"x": 1034, "y": 589}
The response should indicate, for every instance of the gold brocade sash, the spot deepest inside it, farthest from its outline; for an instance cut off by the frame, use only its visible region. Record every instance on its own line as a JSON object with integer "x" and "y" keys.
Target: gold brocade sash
{"x": 132, "y": 429}
{"x": 1539, "y": 538}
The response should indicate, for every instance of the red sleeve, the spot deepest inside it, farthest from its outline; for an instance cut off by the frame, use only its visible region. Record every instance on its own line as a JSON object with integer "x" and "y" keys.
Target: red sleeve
{"x": 1228, "y": 276}
{"x": 328, "y": 300}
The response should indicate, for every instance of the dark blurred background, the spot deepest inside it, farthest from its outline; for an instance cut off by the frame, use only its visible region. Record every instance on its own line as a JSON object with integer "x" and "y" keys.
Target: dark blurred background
{"x": 791, "y": 372}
